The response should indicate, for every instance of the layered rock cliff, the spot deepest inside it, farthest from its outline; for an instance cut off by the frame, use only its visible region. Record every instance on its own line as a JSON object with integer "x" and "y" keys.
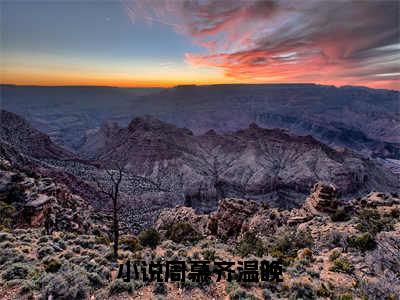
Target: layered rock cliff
{"x": 262, "y": 164}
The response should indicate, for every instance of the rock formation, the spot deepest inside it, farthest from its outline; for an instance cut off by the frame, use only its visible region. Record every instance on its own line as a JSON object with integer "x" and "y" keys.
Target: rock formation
{"x": 41, "y": 202}
{"x": 322, "y": 199}
{"x": 15, "y": 131}
{"x": 273, "y": 166}
{"x": 169, "y": 217}
{"x": 228, "y": 220}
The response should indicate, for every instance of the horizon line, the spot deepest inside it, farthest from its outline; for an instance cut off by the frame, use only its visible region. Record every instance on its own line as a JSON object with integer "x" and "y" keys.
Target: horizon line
{"x": 195, "y": 85}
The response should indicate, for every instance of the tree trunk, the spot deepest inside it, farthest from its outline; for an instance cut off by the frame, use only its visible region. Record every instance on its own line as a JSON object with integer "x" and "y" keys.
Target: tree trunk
{"x": 116, "y": 228}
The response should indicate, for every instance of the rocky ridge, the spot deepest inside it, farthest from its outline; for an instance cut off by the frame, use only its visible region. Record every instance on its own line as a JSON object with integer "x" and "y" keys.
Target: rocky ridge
{"x": 31, "y": 200}
{"x": 26, "y": 140}
{"x": 359, "y": 118}
{"x": 237, "y": 216}
{"x": 271, "y": 166}
{"x": 167, "y": 165}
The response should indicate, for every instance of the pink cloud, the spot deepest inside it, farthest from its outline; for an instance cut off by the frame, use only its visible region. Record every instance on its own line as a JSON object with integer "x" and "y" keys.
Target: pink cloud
{"x": 335, "y": 42}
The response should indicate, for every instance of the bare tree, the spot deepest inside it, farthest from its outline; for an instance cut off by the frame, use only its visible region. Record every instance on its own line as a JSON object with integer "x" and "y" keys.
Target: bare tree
{"x": 112, "y": 191}
{"x": 120, "y": 183}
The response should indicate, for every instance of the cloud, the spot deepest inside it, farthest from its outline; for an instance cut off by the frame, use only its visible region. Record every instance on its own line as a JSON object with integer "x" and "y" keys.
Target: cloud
{"x": 338, "y": 42}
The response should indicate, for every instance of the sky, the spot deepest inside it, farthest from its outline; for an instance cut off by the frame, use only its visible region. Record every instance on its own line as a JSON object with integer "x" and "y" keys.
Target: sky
{"x": 167, "y": 43}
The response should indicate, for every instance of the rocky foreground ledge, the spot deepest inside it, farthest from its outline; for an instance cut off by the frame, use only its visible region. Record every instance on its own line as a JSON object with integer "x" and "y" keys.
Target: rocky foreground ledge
{"x": 331, "y": 248}
{"x": 59, "y": 247}
{"x": 235, "y": 217}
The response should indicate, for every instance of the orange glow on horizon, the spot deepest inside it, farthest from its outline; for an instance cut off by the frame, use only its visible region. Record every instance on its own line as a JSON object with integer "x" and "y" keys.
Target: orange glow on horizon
{"x": 390, "y": 85}
{"x": 43, "y": 78}
{"x": 46, "y": 78}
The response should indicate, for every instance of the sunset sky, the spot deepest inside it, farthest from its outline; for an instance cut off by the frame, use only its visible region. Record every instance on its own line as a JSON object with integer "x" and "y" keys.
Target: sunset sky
{"x": 166, "y": 43}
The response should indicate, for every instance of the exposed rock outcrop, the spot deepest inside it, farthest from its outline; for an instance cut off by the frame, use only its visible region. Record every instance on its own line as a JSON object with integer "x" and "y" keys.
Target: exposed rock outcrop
{"x": 266, "y": 221}
{"x": 169, "y": 217}
{"x": 228, "y": 220}
{"x": 233, "y": 218}
{"x": 322, "y": 199}
{"x": 41, "y": 202}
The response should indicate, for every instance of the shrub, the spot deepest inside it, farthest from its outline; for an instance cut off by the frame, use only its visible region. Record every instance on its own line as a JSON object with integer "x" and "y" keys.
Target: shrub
{"x": 70, "y": 282}
{"x": 76, "y": 249}
{"x": 209, "y": 255}
{"x": 313, "y": 273}
{"x": 363, "y": 242}
{"x": 340, "y": 215}
{"x": 91, "y": 266}
{"x": 5, "y": 236}
{"x": 336, "y": 239}
{"x": 342, "y": 265}
{"x": 101, "y": 261}
{"x": 250, "y": 244}
{"x": 334, "y": 255}
{"x": 109, "y": 255}
{"x": 323, "y": 291}
{"x": 346, "y": 297}
{"x": 231, "y": 286}
{"x": 7, "y": 212}
{"x": 95, "y": 280}
{"x": 44, "y": 239}
{"x": 16, "y": 271}
{"x": 61, "y": 245}
{"x": 371, "y": 221}
{"x": 160, "y": 288}
{"x": 45, "y": 251}
{"x": 267, "y": 294}
{"x": 102, "y": 240}
{"x": 4, "y": 228}
{"x": 195, "y": 256}
{"x": 26, "y": 238}
{"x": 181, "y": 232}
{"x": 6, "y": 245}
{"x": 130, "y": 243}
{"x": 84, "y": 242}
{"x": 10, "y": 256}
{"x": 182, "y": 253}
{"x": 27, "y": 286}
{"x": 149, "y": 238}
{"x": 301, "y": 291}
{"x": 70, "y": 236}
{"x": 286, "y": 245}
{"x": 80, "y": 260}
{"x": 119, "y": 286}
{"x": 169, "y": 245}
{"x": 52, "y": 265}
{"x": 240, "y": 294}
{"x": 213, "y": 226}
{"x": 67, "y": 254}
{"x": 97, "y": 230}
{"x": 190, "y": 285}
{"x": 168, "y": 253}
{"x": 395, "y": 213}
